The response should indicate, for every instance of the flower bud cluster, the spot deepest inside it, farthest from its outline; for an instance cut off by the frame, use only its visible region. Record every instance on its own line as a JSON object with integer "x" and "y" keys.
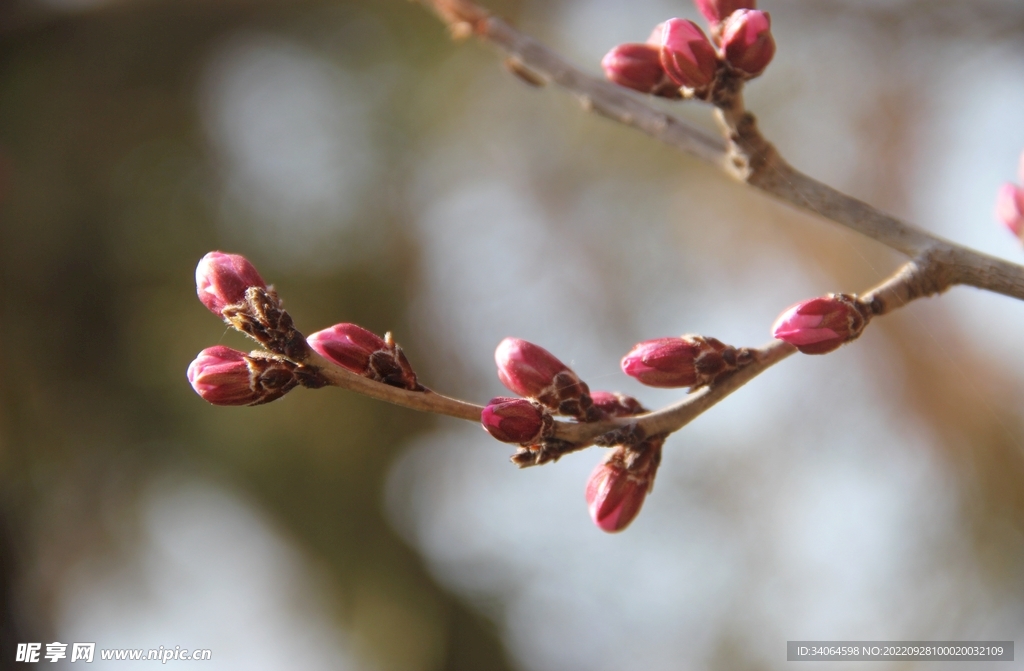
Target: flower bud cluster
{"x": 231, "y": 287}
{"x": 531, "y": 371}
{"x": 618, "y": 486}
{"x": 550, "y": 388}
{"x": 821, "y": 325}
{"x": 1010, "y": 204}
{"x": 692, "y": 361}
{"x": 679, "y": 55}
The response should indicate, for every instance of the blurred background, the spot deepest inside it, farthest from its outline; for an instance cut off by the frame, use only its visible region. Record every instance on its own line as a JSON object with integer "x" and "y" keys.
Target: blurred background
{"x": 379, "y": 174}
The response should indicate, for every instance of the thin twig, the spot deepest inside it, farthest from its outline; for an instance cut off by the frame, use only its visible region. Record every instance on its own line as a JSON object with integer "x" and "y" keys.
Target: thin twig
{"x": 915, "y": 279}
{"x": 768, "y": 173}
{"x": 937, "y": 263}
{"x": 428, "y": 401}
{"x": 673, "y": 417}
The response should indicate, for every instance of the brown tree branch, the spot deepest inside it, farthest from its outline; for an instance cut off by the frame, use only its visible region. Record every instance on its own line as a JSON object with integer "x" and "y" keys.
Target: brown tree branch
{"x": 758, "y": 164}
{"x": 916, "y": 279}
{"x": 744, "y": 154}
{"x": 923, "y": 276}
{"x": 427, "y": 401}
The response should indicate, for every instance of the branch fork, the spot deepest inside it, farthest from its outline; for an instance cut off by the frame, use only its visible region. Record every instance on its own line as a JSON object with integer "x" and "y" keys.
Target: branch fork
{"x": 556, "y": 412}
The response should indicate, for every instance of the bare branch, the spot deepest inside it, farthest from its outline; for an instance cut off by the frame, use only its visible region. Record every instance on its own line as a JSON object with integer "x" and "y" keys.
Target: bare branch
{"x": 761, "y": 165}
{"x": 915, "y": 279}
{"x": 427, "y": 401}
{"x": 924, "y": 276}
{"x": 744, "y": 154}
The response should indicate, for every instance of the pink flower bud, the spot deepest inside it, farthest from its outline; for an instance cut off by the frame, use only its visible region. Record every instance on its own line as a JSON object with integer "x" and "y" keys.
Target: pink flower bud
{"x": 686, "y": 54}
{"x": 618, "y": 485}
{"x": 821, "y": 325}
{"x": 613, "y": 498}
{"x": 221, "y": 280}
{"x": 354, "y": 348}
{"x": 1010, "y": 208}
{"x": 221, "y": 376}
{"x": 514, "y": 420}
{"x": 747, "y": 41}
{"x": 716, "y": 11}
{"x": 525, "y": 368}
{"x": 688, "y": 361}
{"x": 348, "y": 345}
{"x": 224, "y": 376}
{"x": 616, "y": 405}
{"x": 638, "y": 67}
{"x": 532, "y": 371}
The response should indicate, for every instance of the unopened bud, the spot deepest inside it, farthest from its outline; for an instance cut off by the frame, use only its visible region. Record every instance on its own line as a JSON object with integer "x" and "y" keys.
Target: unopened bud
{"x": 525, "y": 368}
{"x": 618, "y": 486}
{"x": 717, "y": 11}
{"x": 515, "y": 420}
{"x": 821, "y": 325}
{"x": 638, "y": 67}
{"x": 532, "y": 371}
{"x": 221, "y": 280}
{"x": 224, "y": 376}
{"x": 348, "y": 345}
{"x": 1010, "y": 207}
{"x": 747, "y": 41}
{"x": 616, "y": 405}
{"x": 688, "y": 57}
{"x": 363, "y": 352}
{"x": 688, "y": 361}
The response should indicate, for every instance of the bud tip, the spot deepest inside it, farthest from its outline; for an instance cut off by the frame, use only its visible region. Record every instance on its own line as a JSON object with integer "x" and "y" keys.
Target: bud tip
{"x": 222, "y": 279}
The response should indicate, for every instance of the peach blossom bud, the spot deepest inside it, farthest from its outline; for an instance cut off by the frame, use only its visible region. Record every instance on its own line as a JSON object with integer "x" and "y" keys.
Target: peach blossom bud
{"x": 613, "y": 498}
{"x": 686, "y": 54}
{"x": 525, "y": 368}
{"x": 821, "y": 325}
{"x": 1010, "y": 208}
{"x": 717, "y": 11}
{"x": 530, "y": 370}
{"x": 363, "y": 352}
{"x": 638, "y": 67}
{"x": 221, "y": 280}
{"x": 224, "y": 376}
{"x": 618, "y": 485}
{"x": 616, "y": 405}
{"x": 513, "y": 420}
{"x": 688, "y": 361}
{"x": 747, "y": 41}
{"x": 221, "y": 376}
{"x": 348, "y": 345}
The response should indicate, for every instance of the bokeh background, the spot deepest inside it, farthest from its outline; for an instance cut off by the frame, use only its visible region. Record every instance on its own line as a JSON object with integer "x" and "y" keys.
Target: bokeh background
{"x": 380, "y": 174}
